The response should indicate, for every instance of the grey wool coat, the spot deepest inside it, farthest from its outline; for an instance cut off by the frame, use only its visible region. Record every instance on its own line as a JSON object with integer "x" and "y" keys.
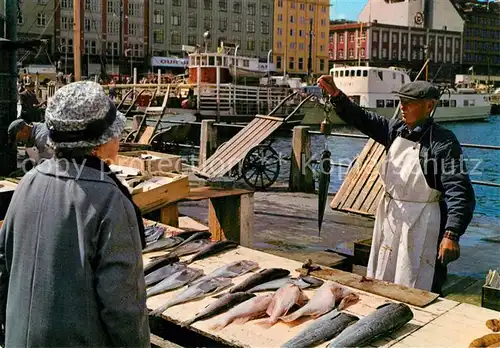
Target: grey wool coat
{"x": 71, "y": 272}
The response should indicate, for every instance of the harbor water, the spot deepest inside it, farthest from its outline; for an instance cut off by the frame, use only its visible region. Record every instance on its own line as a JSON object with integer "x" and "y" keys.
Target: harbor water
{"x": 482, "y": 239}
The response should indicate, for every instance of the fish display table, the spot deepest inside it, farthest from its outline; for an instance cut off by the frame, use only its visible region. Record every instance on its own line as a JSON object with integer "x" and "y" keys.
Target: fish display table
{"x": 442, "y": 323}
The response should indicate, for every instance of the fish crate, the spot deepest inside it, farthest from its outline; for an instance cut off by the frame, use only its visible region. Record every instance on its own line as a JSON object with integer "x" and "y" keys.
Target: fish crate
{"x": 156, "y": 163}
{"x": 159, "y": 191}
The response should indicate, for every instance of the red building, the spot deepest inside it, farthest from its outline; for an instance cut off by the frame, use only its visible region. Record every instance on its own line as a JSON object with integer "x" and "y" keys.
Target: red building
{"x": 391, "y": 45}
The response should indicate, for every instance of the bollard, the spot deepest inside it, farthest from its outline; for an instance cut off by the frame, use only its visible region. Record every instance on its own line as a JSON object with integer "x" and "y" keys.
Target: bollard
{"x": 301, "y": 175}
{"x": 208, "y": 140}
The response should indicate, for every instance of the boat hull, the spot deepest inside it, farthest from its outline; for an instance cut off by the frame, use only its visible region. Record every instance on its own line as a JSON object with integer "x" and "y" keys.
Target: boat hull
{"x": 314, "y": 115}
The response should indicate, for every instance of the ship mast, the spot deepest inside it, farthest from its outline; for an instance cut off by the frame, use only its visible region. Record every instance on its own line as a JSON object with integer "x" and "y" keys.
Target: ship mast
{"x": 78, "y": 15}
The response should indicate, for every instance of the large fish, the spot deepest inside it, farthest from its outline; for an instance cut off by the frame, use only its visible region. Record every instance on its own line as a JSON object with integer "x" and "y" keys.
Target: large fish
{"x": 251, "y": 309}
{"x": 213, "y": 249}
{"x": 323, "y": 301}
{"x": 304, "y": 282}
{"x": 175, "y": 281}
{"x": 206, "y": 288}
{"x": 386, "y": 318}
{"x": 323, "y": 185}
{"x": 196, "y": 236}
{"x": 231, "y": 270}
{"x": 263, "y": 276}
{"x": 153, "y": 233}
{"x": 163, "y": 244}
{"x": 221, "y": 305}
{"x": 284, "y": 299}
{"x": 159, "y": 262}
{"x": 190, "y": 247}
{"x": 321, "y": 330}
{"x": 162, "y": 273}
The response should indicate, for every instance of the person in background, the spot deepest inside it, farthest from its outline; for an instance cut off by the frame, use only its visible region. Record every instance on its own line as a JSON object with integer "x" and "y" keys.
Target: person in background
{"x": 33, "y": 134}
{"x": 31, "y": 108}
{"x": 71, "y": 272}
{"x": 429, "y": 200}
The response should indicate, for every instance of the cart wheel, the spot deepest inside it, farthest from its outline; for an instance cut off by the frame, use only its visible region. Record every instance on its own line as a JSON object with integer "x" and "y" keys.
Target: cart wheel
{"x": 130, "y": 136}
{"x": 261, "y": 167}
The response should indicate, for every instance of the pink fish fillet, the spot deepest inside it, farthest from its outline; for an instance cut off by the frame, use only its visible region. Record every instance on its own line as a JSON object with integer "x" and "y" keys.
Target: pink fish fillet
{"x": 284, "y": 299}
{"x": 250, "y": 309}
{"x": 323, "y": 301}
{"x": 348, "y": 298}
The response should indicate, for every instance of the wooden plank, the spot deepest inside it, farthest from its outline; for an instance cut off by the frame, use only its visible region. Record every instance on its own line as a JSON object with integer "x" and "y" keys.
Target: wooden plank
{"x": 169, "y": 215}
{"x": 224, "y": 218}
{"x": 373, "y": 199}
{"x": 253, "y": 335}
{"x": 273, "y": 118}
{"x": 159, "y": 342}
{"x": 146, "y": 135}
{"x": 369, "y": 185}
{"x": 416, "y": 297}
{"x": 246, "y": 220}
{"x": 456, "y": 328}
{"x": 163, "y": 195}
{"x": 207, "y": 192}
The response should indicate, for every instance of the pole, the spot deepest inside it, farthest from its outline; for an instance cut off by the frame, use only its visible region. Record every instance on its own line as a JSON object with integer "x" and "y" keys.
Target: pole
{"x": 66, "y": 57}
{"x": 309, "y": 60}
{"x": 120, "y": 45}
{"x": 78, "y": 13}
{"x": 8, "y": 92}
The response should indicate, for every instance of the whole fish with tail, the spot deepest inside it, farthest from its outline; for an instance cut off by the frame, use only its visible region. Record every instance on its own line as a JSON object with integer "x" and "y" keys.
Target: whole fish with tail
{"x": 223, "y": 304}
{"x": 160, "y": 262}
{"x": 231, "y": 270}
{"x": 175, "y": 281}
{"x": 196, "y": 236}
{"x": 321, "y": 330}
{"x": 213, "y": 249}
{"x": 263, "y": 276}
{"x": 203, "y": 289}
{"x": 163, "y": 272}
{"x": 303, "y": 282}
{"x": 385, "y": 319}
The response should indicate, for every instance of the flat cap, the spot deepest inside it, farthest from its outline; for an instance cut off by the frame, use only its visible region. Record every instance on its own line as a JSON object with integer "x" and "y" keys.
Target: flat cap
{"x": 419, "y": 90}
{"x": 15, "y": 127}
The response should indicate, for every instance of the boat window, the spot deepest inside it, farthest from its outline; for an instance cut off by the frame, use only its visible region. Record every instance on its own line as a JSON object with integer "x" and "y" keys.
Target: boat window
{"x": 211, "y": 60}
{"x": 466, "y": 102}
{"x": 358, "y": 72}
{"x": 389, "y": 103}
{"x": 380, "y": 103}
{"x": 393, "y": 75}
{"x": 402, "y": 79}
{"x": 446, "y": 103}
{"x": 365, "y": 73}
{"x": 336, "y": 74}
{"x": 472, "y": 102}
{"x": 381, "y": 75}
{"x": 453, "y": 103}
{"x": 440, "y": 103}
{"x": 341, "y": 73}
{"x": 246, "y": 63}
{"x": 347, "y": 73}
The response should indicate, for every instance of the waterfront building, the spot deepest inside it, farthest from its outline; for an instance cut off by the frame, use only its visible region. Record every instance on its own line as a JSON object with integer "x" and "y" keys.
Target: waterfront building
{"x": 292, "y": 27}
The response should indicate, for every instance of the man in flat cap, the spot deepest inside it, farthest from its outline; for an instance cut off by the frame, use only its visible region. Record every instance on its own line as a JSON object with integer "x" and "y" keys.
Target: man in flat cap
{"x": 35, "y": 134}
{"x": 429, "y": 200}
{"x": 31, "y": 108}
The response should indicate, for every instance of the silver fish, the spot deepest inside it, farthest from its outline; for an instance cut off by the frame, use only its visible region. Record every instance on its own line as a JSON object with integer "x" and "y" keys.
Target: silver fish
{"x": 162, "y": 273}
{"x": 163, "y": 244}
{"x": 263, "y": 276}
{"x": 231, "y": 270}
{"x": 206, "y": 288}
{"x": 251, "y": 309}
{"x": 190, "y": 248}
{"x": 321, "y": 330}
{"x": 223, "y": 304}
{"x": 386, "y": 318}
{"x": 193, "y": 237}
{"x": 302, "y": 282}
{"x": 175, "y": 281}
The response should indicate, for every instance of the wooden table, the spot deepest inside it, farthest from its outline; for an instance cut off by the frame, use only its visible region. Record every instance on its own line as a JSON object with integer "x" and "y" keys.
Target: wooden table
{"x": 442, "y": 323}
{"x": 230, "y": 212}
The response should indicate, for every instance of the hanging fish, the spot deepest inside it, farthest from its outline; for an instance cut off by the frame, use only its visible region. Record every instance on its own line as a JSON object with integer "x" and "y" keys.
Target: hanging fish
{"x": 323, "y": 185}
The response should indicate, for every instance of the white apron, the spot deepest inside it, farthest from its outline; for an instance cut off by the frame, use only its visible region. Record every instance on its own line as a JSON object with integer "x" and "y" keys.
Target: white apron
{"x": 405, "y": 236}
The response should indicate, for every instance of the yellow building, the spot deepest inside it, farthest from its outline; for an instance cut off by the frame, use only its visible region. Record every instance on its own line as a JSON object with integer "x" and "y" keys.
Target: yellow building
{"x": 291, "y": 36}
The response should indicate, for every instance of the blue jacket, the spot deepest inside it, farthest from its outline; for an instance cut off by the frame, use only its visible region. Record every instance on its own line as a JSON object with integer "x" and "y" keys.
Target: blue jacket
{"x": 441, "y": 159}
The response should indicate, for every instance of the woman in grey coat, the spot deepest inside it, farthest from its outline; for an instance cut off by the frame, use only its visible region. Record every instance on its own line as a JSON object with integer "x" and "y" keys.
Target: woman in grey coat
{"x": 71, "y": 272}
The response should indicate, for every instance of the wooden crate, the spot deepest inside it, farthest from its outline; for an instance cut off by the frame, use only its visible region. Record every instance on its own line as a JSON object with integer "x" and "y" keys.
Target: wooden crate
{"x": 159, "y": 197}
{"x": 164, "y": 163}
{"x": 490, "y": 298}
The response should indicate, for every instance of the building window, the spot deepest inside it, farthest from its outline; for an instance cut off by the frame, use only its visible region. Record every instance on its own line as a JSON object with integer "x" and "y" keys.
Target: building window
{"x": 280, "y": 17}
{"x": 176, "y": 38}
{"x": 291, "y": 63}
{"x": 351, "y": 53}
{"x": 321, "y": 64}
{"x": 41, "y": 20}
{"x": 341, "y": 38}
{"x": 251, "y": 44}
{"x": 403, "y": 54}
{"x": 223, "y": 23}
{"x": 394, "y": 54}
{"x": 384, "y": 37}
{"x": 351, "y": 37}
{"x": 301, "y": 46}
{"x": 280, "y": 31}
{"x": 375, "y": 36}
{"x": 278, "y": 60}
{"x": 448, "y": 57}
{"x": 207, "y": 4}
{"x": 265, "y": 28}
{"x": 237, "y": 7}
{"x": 301, "y": 64}
{"x": 192, "y": 20}
{"x": 384, "y": 52}
{"x": 176, "y": 2}
{"x": 69, "y": 3}
{"x": 223, "y": 5}
{"x": 394, "y": 38}
{"x": 176, "y": 19}
{"x": 292, "y": 20}
{"x": 158, "y": 17}
{"x": 250, "y": 26}
{"x": 192, "y": 40}
{"x": 374, "y": 52}
{"x": 362, "y": 52}
{"x": 265, "y": 10}
{"x": 207, "y": 22}
{"x": 192, "y": 3}
{"x": 160, "y": 2}
{"x": 112, "y": 48}
{"x": 158, "y": 36}
{"x": 86, "y": 24}
{"x": 67, "y": 23}
{"x": 252, "y": 9}
{"x": 279, "y": 45}
{"x": 264, "y": 45}
{"x": 341, "y": 54}
{"x": 237, "y": 25}
{"x": 133, "y": 29}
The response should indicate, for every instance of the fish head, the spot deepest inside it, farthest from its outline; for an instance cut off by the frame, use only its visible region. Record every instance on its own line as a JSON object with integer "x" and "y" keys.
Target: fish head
{"x": 349, "y": 299}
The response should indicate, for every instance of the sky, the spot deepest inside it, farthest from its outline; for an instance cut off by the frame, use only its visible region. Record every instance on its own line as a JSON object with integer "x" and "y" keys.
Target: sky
{"x": 346, "y": 9}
